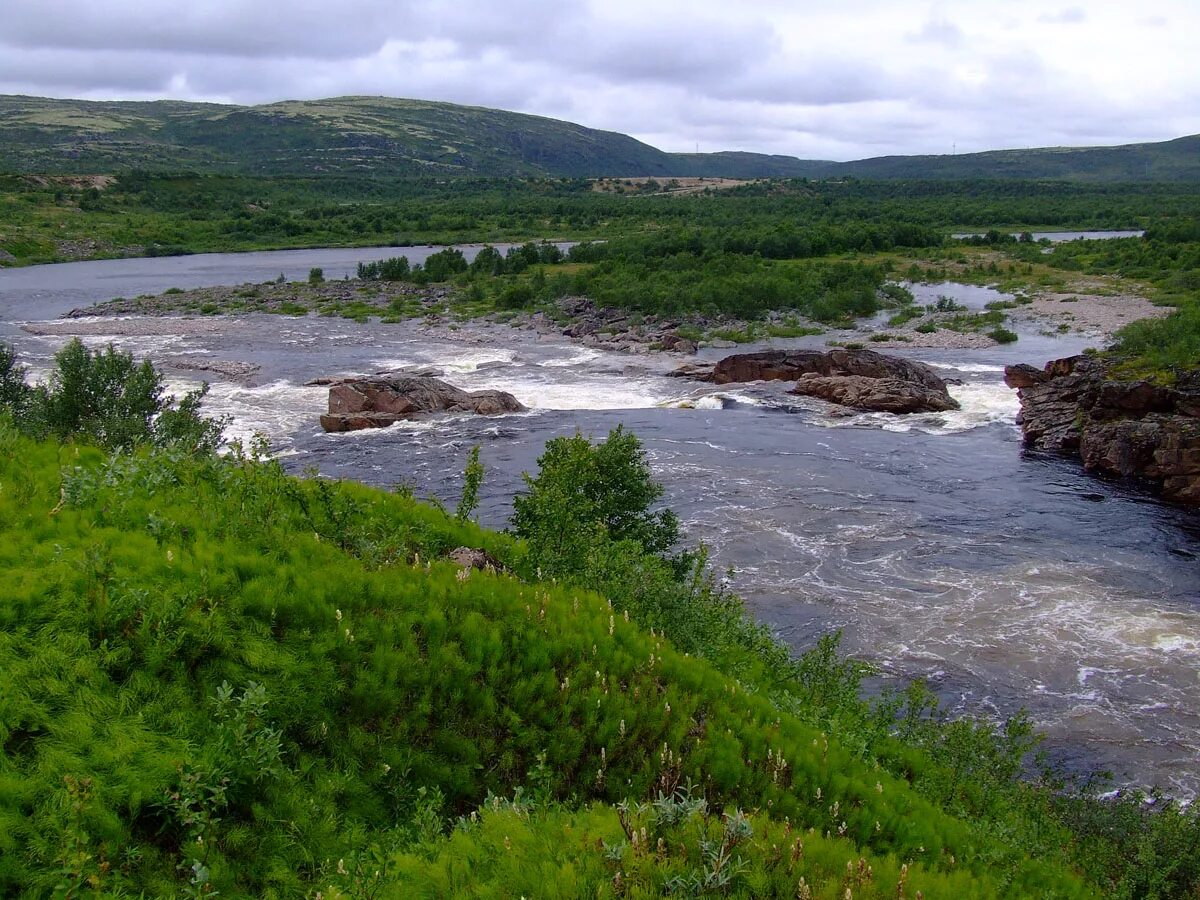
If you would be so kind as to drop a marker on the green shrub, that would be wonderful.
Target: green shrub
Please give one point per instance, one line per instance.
(1002, 335)
(105, 397)
(584, 493)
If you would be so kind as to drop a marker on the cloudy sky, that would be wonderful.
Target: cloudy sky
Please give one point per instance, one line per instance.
(837, 80)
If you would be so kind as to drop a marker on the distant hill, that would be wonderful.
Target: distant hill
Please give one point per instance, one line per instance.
(388, 136)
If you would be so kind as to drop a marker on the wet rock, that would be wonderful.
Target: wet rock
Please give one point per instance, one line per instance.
(226, 368)
(695, 371)
(787, 365)
(771, 365)
(1023, 375)
(378, 401)
(890, 395)
(675, 344)
(1117, 427)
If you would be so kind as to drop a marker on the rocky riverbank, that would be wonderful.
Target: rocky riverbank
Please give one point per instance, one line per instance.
(620, 330)
(1081, 406)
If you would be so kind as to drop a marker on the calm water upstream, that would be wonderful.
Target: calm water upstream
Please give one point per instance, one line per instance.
(939, 547)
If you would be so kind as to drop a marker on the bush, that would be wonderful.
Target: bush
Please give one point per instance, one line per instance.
(14, 392)
(1002, 335)
(584, 493)
(316, 275)
(104, 397)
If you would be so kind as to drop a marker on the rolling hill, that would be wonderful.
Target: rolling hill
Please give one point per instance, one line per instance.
(397, 137)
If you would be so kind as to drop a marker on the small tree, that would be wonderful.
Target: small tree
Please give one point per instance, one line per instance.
(14, 392)
(316, 275)
(106, 397)
(585, 495)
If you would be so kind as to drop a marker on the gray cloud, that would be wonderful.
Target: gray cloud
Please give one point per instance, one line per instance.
(831, 80)
(939, 31)
(1072, 16)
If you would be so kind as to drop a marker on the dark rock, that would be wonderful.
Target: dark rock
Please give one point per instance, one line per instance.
(870, 364)
(891, 395)
(470, 558)
(1023, 375)
(770, 365)
(861, 379)
(788, 365)
(377, 401)
(1120, 428)
(695, 371)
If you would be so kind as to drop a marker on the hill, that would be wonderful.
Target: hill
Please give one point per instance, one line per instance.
(394, 137)
(1177, 160)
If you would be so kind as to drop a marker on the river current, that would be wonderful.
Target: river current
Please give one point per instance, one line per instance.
(939, 546)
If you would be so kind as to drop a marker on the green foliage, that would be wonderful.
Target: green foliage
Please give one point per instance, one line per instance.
(472, 481)
(14, 391)
(587, 493)
(1158, 346)
(395, 268)
(1002, 335)
(316, 275)
(221, 679)
(105, 397)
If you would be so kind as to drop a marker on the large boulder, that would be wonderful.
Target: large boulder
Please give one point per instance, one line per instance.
(789, 365)
(861, 379)
(1117, 427)
(891, 395)
(381, 400)
(770, 365)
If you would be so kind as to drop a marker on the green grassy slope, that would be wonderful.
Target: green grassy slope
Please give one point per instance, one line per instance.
(393, 137)
(214, 677)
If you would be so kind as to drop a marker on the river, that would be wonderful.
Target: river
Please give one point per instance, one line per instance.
(939, 546)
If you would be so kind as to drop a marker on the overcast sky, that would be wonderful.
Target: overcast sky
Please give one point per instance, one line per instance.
(836, 80)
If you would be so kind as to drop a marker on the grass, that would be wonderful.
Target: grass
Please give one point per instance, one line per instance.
(374, 693)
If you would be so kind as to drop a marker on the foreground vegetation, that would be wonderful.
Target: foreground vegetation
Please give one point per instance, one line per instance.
(221, 680)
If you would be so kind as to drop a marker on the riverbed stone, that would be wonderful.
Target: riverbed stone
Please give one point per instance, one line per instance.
(380, 400)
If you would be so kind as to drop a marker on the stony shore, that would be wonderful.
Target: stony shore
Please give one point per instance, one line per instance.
(577, 319)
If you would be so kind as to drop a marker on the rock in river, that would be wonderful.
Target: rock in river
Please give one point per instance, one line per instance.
(381, 400)
(876, 394)
(862, 379)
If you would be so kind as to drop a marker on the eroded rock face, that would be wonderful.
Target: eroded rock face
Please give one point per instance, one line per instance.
(1126, 429)
(876, 394)
(378, 401)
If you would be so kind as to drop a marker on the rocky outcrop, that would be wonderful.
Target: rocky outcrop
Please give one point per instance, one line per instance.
(876, 394)
(381, 400)
(771, 365)
(1118, 427)
(789, 365)
(861, 379)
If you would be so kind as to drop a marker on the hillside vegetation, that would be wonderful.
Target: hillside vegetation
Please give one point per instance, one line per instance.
(218, 680)
(393, 137)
